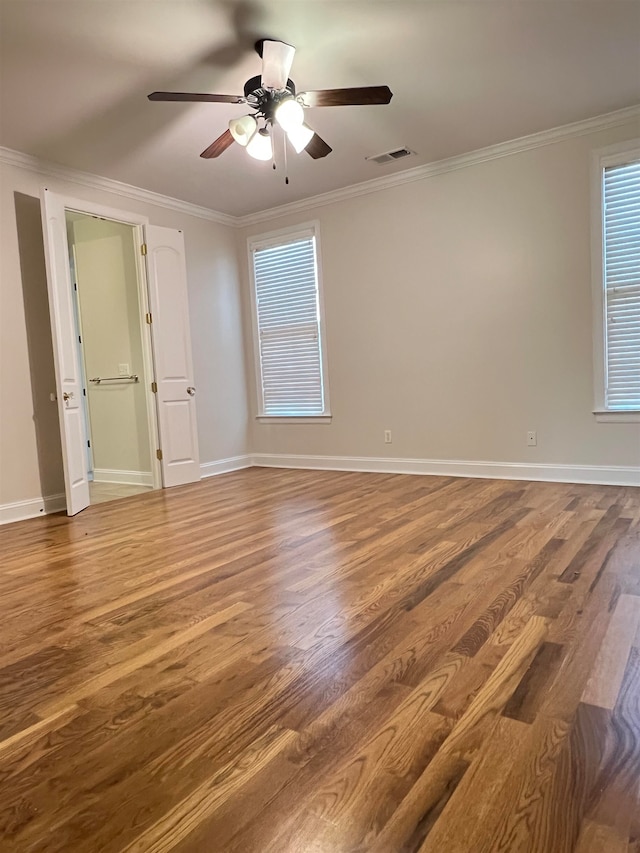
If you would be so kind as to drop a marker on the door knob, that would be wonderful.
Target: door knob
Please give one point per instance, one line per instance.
(191, 390)
(67, 396)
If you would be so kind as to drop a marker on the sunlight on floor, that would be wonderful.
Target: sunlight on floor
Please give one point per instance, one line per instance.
(102, 492)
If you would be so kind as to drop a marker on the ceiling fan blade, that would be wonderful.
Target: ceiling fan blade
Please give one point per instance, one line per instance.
(317, 147)
(194, 96)
(218, 146)
(347, 97)
(276, 64)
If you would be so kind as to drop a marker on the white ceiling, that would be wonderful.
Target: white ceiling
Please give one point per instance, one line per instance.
(74, 76)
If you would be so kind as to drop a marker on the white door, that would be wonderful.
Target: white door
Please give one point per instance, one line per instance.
(65, 352)
(172, 355)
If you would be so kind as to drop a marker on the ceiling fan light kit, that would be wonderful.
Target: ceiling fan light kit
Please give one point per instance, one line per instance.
(277, 59)
(289, 114)
(242, 129)
(273, 99)
(300, 137)
(259, 146)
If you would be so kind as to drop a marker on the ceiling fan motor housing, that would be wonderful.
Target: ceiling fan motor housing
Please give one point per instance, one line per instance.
(265, 100)
(272, 97)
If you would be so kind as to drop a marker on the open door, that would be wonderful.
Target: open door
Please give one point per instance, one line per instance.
(65, 353)
(171, 339)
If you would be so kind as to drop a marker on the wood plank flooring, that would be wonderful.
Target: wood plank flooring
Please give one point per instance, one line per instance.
(102, 492)
(279, 661)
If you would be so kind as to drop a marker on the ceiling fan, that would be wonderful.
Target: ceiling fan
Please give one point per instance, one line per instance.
(273, 99)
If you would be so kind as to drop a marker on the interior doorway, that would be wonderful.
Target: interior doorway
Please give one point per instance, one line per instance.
(163, 315)
(109, 310)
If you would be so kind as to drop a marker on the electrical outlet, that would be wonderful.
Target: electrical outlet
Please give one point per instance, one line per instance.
(532, 438)
(387, 436)
(123, 370)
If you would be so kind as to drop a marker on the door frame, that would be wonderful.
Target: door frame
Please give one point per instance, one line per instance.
(83, 367)
(137, 221)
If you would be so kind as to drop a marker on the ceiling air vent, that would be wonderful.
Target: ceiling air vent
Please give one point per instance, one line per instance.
(390, 156)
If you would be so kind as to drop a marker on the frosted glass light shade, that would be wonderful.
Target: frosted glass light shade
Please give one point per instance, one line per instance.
(276, 64)
(243, 128)
(300, 137)
(289, 114)
(259, 146)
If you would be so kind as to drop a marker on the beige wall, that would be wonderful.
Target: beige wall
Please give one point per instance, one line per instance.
(29, 437)
(458, 313)
(106, 274)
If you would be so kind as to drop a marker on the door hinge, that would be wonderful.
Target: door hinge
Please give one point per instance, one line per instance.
(88, 443)
(158, 454)
(154, 387)
(148, 318)
(143, 249)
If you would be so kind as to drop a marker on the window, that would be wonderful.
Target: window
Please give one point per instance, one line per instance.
(288, 323)
(617, 283)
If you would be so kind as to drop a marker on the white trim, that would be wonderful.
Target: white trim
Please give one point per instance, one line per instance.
(137, 222)
(597, 282)
(223, 466)
(148, 364)
(617, 417)
(614, 475)
(594, 474)
(86, 179)
(438, 167)
(127, 478)
(284, 235)
(103, 211)
(21, 510)
(449, 164)
(275, 238)
(296, 419)
(612, 155)
(620, 153)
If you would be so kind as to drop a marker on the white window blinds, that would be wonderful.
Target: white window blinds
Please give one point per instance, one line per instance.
(288, 325)
(622, 285)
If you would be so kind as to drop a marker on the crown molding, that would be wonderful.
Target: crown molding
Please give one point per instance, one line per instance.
(419, 173)
(86, 179)
(450, 164)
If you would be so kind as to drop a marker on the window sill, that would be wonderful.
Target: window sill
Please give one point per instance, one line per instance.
(294, 419)
(630, 417)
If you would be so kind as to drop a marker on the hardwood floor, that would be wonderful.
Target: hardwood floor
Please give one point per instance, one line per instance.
(281, 661)
(103, 492)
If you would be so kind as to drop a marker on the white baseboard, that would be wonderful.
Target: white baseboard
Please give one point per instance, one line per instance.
(126, 478)
(618, 475)
(20, 510)
(223, 466)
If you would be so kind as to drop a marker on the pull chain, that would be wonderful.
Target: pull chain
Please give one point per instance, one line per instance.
(273, 149)
(286, 167)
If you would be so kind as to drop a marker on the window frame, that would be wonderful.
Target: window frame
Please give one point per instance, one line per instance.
(275, 238)
(612, 155)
